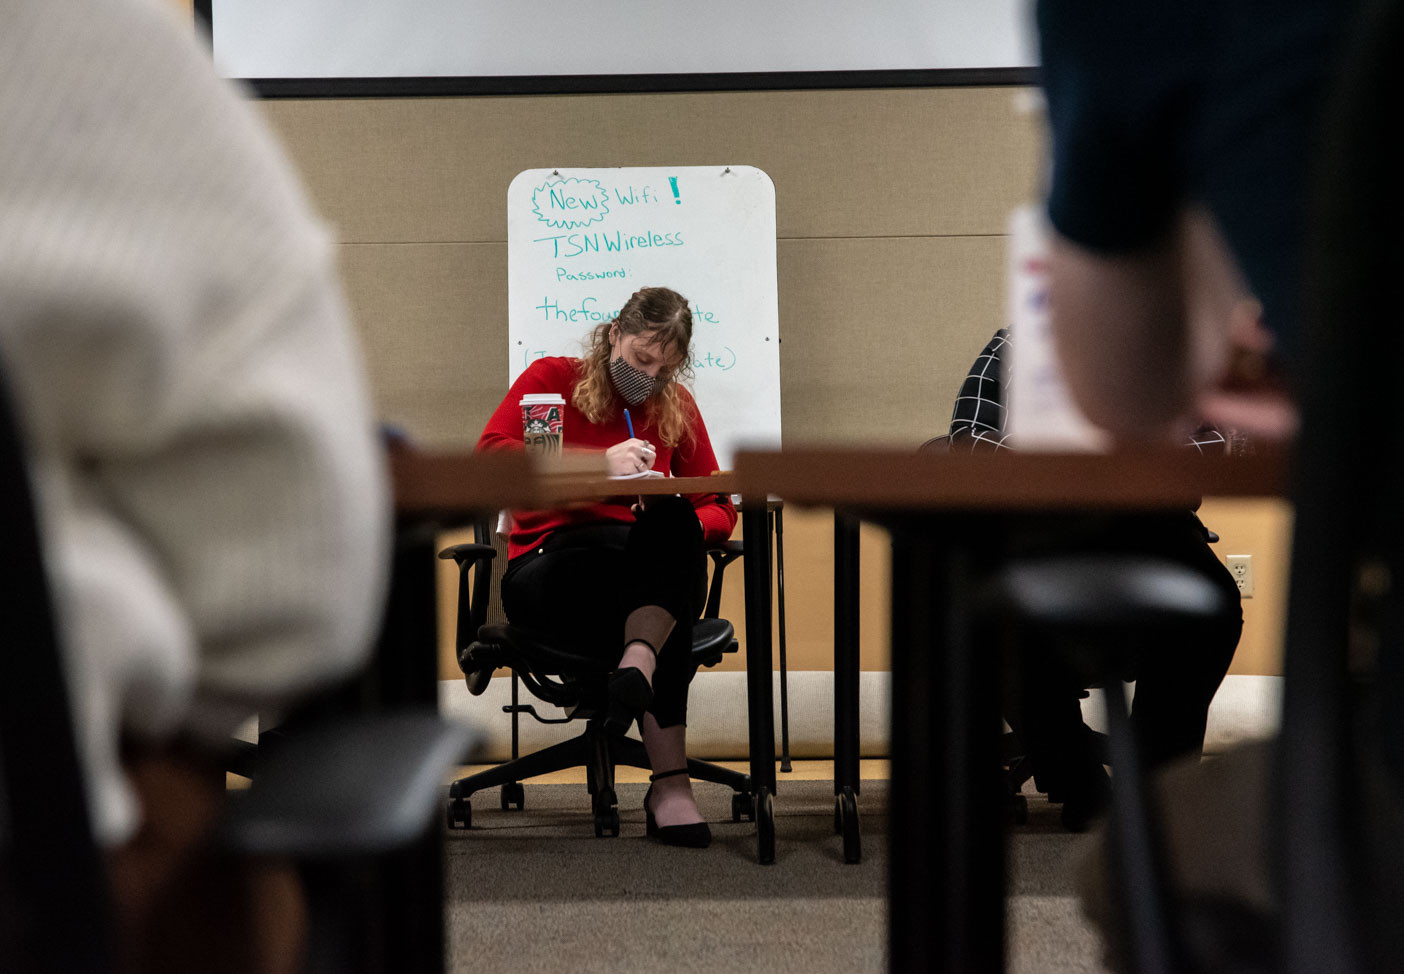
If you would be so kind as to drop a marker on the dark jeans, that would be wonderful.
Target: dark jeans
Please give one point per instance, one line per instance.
(580, 585)
(1176, 674)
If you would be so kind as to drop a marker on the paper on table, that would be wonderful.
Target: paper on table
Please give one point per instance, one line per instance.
(1042, 413)
(638, 476)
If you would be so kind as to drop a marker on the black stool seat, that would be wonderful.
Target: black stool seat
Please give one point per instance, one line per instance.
(1104, 592)
(356, 786)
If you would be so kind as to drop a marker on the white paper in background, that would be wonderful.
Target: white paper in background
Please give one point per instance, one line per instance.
(581, 241)
(1041, 414)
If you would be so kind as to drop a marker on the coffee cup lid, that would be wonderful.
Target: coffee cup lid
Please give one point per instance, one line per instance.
(542, 399)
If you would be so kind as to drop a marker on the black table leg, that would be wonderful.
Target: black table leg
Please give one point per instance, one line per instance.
(759, 693)
(846, 677)
(404, 674)
(946, 874)
(777, 520)
(405, 670)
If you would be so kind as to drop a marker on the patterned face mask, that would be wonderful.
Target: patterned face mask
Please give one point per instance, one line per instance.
(634, 384)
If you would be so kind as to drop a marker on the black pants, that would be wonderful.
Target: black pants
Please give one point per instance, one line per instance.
(582, 583)
(1176, 674)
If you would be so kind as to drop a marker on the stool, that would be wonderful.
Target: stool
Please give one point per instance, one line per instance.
(1105, 597)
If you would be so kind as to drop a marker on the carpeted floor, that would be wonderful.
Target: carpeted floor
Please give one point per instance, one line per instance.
(536, 891)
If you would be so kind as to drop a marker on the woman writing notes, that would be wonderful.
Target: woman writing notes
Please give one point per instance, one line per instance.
(626, 578)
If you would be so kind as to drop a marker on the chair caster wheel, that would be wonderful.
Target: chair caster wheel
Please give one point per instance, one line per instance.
(460, 814)
(607, 824)
(846, 814)
(513, 794)
(765, 827)
(606, 809)
(743, 807)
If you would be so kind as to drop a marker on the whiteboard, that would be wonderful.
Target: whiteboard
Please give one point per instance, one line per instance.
(581, 241)
(255, 39)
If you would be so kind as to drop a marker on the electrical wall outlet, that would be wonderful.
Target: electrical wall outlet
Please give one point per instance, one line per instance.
(1241, 568)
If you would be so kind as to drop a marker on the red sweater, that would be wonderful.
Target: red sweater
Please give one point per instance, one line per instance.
(693, 457)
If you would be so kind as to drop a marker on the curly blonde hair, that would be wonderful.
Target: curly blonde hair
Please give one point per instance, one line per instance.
(664, 315)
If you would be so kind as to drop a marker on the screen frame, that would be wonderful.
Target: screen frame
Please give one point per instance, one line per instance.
(577, 84)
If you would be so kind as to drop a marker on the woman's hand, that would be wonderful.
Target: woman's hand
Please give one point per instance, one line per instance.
(1251, 395)
(629, 457)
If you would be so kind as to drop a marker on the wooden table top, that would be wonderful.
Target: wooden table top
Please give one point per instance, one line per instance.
(561, 488)
(893, 480)
(428, 483)
(465, 483)
(870, 479)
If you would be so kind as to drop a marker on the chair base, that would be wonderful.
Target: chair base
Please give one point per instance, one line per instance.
(599, 753)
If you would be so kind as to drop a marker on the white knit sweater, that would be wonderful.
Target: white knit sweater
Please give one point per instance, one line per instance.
(212, 498)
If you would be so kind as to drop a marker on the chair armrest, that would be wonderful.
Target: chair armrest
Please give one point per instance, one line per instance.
(722, 554)
(467, 554)
(472, 612)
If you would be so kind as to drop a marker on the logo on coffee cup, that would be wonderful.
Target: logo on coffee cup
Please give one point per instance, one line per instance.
(542, 424)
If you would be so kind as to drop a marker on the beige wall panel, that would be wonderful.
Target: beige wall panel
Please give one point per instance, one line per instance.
(845, 163)
(877, 334)
(433, 323)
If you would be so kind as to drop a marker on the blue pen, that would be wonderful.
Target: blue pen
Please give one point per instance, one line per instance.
(630, 423)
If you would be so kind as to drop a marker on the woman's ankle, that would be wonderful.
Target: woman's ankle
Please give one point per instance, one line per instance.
(640, 656)
(672, 802)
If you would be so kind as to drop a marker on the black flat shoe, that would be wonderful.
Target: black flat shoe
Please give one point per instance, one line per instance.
(694, 835)
(629, 697)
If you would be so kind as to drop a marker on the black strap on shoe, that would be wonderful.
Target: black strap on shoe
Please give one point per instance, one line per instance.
(667, 774)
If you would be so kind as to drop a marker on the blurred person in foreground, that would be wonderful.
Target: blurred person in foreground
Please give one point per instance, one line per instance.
(1182, 137)
(1240, 150)
(210, 490)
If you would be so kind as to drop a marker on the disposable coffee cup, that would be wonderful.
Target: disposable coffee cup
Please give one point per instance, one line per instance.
(543, 424)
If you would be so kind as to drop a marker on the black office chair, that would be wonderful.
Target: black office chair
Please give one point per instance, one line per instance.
(352, 801)
(574, 682)
(342, 798)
